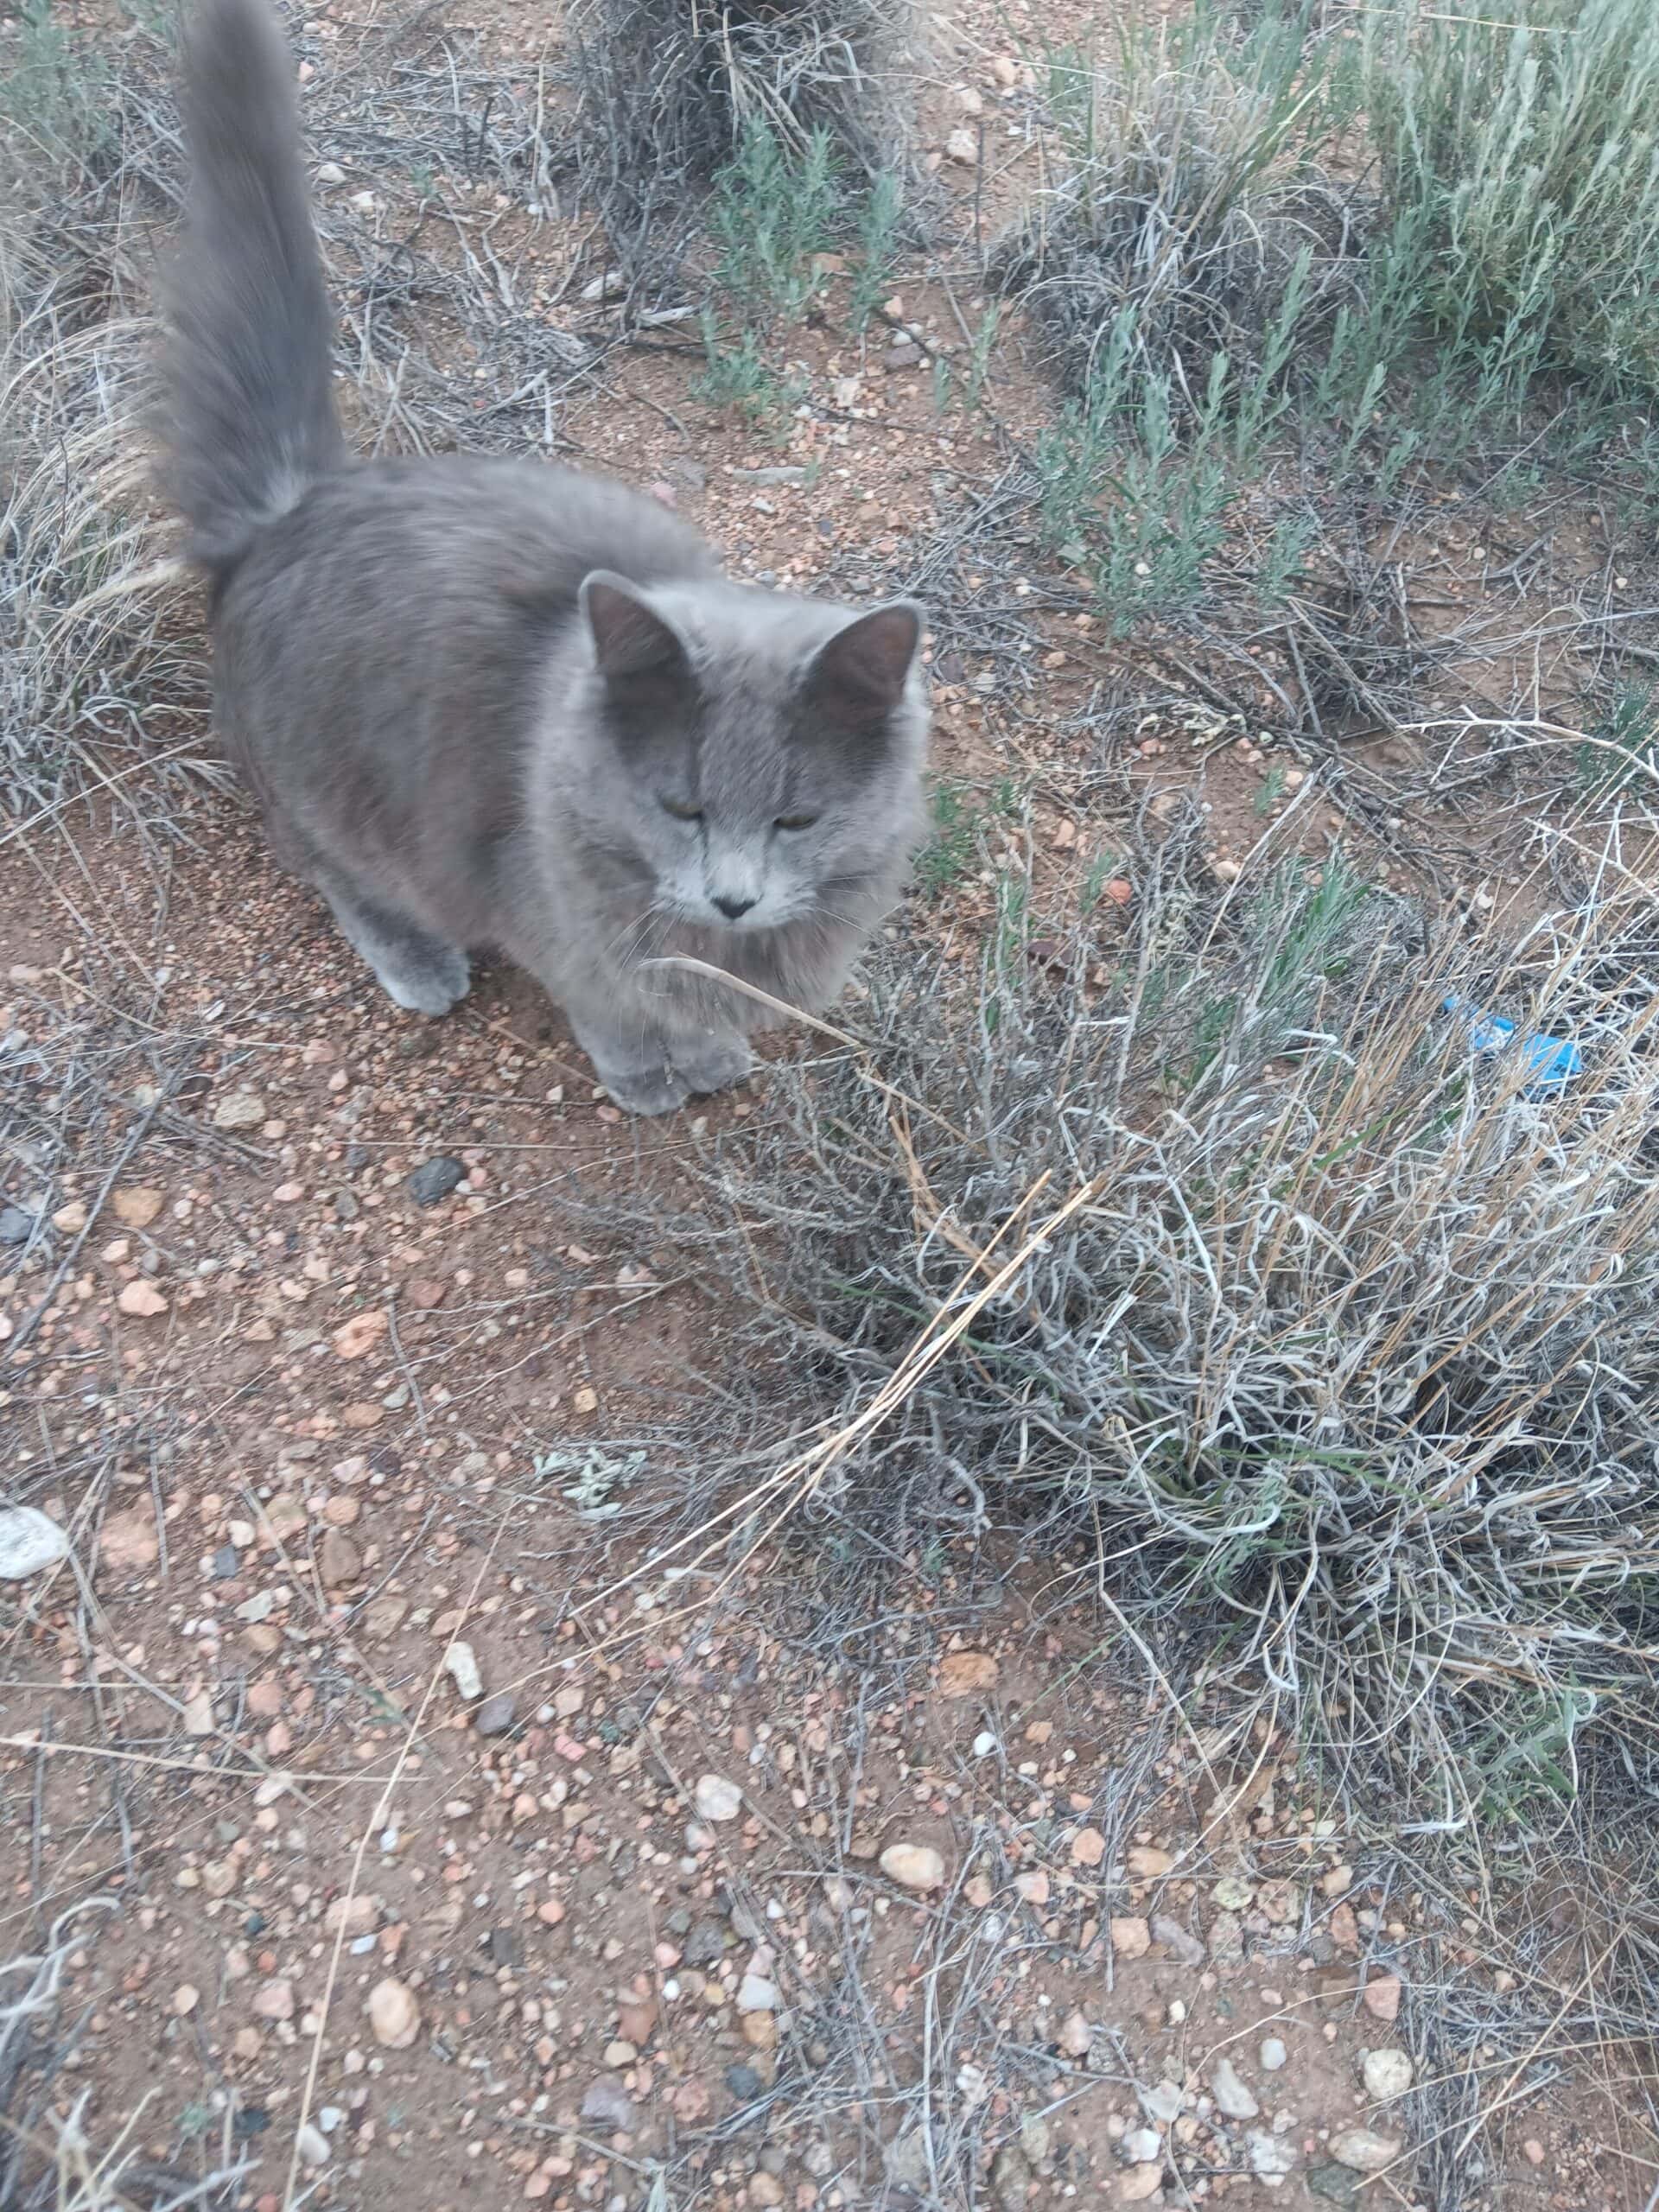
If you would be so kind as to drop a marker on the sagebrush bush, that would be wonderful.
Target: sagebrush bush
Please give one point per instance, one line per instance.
(1230, 1248)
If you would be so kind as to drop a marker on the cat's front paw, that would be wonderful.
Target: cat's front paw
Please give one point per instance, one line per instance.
(659, 1090)
(714, 1064)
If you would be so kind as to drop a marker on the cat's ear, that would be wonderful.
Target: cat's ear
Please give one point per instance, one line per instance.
(629, 638)
(859, 677)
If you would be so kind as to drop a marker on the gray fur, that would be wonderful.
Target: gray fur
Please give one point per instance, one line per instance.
(490, 703)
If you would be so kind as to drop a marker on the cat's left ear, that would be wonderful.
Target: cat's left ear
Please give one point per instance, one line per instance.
(859, 677)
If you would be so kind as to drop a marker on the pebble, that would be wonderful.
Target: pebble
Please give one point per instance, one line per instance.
(331, 172)
(312, 2145)
(1164, 2103)
(1386, 2073)
(1088, 1847)
(1381, 1997)
(1272, 2160)
(963, 146)
(913, 1865)
(274, 2001)
(141, 1299)
(460, 1664)
(1141, 2146)
(242, 1109)
(1076, 2035)
(743, 2082)
(1366, 2150)
(756, 1994)
(716, 1799)
(30, 1541)
(1273, 2055)
(1136, 2183)
(138, 1208)
(394, 2014)
(1185, 1949)
(185, 1998)
(1131, 1938)
(494, 1717)
(1145, 1865)
(901, 355)
(1232, 2097)
(1337, 2184)
(1006, 71)
(1234, 1894)
(430, 1182)
(17, 1227)
(337, 1560)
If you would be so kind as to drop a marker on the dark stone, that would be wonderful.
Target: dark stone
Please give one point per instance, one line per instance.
(505, 1950)
(608, 2105)
(430, 1182)
(226, 1562)
(345, 1207)
(494, 1716)
(744, 2083)
(249, 2119)
(706, 1945)
(678, 1923)
(1337, 2184)
(17, 1227)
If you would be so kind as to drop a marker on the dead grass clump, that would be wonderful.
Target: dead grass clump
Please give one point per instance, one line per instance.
(1244, 1248)
(1186, 205)
(666, 92)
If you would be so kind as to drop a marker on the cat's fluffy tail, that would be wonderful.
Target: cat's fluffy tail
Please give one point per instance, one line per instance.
(249, 417)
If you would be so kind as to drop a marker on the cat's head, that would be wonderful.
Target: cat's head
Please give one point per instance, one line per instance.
(759, 756)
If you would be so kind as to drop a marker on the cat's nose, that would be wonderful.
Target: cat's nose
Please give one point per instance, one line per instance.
(734, 908)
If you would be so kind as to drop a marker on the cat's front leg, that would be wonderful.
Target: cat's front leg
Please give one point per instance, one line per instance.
(712, 1061)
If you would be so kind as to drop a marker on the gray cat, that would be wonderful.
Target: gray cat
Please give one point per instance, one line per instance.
(493, 703)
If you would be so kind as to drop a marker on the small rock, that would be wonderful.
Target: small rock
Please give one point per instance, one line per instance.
(902, 354)
(198, 1714)
(274, 2000)
(1364, 2149)
(1075, 2036)
(1386, 2073)
(756, 1994)
(1141, 2146)
(17, 1227)
(1232, 2098)
(1164, 2103)
(1233, 1893)
(430, 1182)
(716, 1799)
(637, 2019)
(764, 2189)
(743, 2081)
(353, 1915)
(1006, 72)
(138, 1207)
(72, 1218)
(1131, 1938)
(494, 1716)
(1011, 2178)
(337, 1560)
(185, 1998)
(1273, 2055)
(359, 1336)
(1184, 1948)
(1343, 1928)
(30, 1541)
(913, 1865)
(1273, 2159)
(141, 1299)
(460, 1664)
(242, 1109)
(365, 202)
(907, 2161)
(1145, 1865)
(1136, 2183)
(1533, 2151)
(1337, 1882)
(1337, 2184)
(706, 1944)
(967, 1674)
(394, 2014)
(1381, 1997)
(1088, 1847)
(331, 172)
(129, 1540)
(312, 2145)
(970, 101)
(963, 146)
(1227, 1939)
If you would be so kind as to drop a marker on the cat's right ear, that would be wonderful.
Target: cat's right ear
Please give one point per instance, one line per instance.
(629, 638)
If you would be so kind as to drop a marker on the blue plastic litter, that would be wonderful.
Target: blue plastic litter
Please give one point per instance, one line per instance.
(1551, 1062)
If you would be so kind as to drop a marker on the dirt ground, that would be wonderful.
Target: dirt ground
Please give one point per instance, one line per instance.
(421, 1838)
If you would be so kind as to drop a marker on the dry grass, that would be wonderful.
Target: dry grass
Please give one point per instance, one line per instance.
(1220, 1250)
(666, 93)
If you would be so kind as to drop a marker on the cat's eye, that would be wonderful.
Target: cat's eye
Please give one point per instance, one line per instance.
(681, 809)
(795, 821)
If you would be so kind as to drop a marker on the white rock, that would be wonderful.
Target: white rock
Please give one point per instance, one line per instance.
(394, 2014)
(243, 1110)
(611, 286)
(984, 1744)
(1365, 2149)
(1164, 2103)
(1272, 2159)
(1273, 2055)
(460, 1664)
(331, 172)
(913, 1865)
(1141, 2145)
(365, 202)
(756, 1994)
(29, 1541)
(1231, 2096)
(312, 2145)
(963, 146)
(1386, 2074)
(716, 1799)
